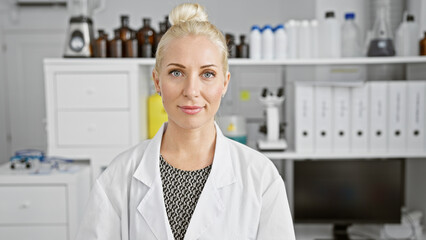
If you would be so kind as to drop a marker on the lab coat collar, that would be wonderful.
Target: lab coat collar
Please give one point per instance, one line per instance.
(209, 204)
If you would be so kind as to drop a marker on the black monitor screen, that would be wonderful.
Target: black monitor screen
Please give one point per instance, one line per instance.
(348, 191)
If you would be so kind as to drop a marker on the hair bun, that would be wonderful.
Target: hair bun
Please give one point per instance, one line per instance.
(187, 12)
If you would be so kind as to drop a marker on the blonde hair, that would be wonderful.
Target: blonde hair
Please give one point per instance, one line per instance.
(191, 19)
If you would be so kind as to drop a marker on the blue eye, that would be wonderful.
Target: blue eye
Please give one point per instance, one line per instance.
(208, 74)
(176, 73)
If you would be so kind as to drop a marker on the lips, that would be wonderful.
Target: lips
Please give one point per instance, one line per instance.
(191, 110)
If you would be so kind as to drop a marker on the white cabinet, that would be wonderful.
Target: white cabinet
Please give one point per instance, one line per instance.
(42, 206)
(95, 108)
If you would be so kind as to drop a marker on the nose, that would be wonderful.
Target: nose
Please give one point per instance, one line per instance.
(192, 86)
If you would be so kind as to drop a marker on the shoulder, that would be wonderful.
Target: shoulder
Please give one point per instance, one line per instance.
(252, 163)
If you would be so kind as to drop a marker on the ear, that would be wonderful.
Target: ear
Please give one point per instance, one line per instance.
(156, 79)
(226, 82)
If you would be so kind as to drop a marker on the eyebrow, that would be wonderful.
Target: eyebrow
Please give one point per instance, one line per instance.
(182, 66)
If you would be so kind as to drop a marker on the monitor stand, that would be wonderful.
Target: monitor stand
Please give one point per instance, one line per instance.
(340, 231)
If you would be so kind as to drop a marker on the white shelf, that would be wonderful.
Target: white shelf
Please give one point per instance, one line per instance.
(249, 62)
(327, 155)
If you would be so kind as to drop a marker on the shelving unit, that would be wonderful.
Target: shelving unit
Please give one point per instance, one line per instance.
(136, 73)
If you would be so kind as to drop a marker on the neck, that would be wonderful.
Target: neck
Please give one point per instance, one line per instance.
(189, 149)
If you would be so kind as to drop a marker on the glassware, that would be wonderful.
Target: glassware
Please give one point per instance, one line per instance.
(146, 30)
(381, 44)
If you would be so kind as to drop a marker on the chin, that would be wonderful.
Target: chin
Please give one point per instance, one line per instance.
(192, 123)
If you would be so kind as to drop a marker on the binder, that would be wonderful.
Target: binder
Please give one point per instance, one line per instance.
(416, 91)
(304, 118)
(323, 118)
(397, 128)
(378, 117)
(341, 119)
(359, 119)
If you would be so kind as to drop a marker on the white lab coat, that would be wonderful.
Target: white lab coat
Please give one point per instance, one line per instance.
(244, 198)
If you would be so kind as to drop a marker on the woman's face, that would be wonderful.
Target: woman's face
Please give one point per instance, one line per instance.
(191, 81)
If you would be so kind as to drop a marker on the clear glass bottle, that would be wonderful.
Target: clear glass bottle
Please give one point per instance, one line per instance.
(351, 39)
(381, 44)
(150, 32)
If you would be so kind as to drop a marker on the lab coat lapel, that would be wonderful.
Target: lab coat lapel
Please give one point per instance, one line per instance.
(210, 204)
(152, 206)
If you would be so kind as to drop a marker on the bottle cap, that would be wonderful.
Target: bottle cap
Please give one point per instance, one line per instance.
(410, 18)
(267, 26)
(279, 26)
(255, 27)
(350, 15)
(329, 14)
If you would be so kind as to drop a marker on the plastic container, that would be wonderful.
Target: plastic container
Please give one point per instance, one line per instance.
(255, 43)
(280, 42)
(351, 38)
(292, 27)
(314, 36)
(267, 43)
(406, 37)
(305, 40)
(330, 37)
(234, 127)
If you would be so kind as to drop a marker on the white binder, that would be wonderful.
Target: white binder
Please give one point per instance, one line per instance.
(304, 118)
(378, 123)
(359, 119)
(397, 112)
(341, 119)
(323, 119)
(416, 91)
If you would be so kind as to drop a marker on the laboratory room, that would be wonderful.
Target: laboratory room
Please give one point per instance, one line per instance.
(245, 119)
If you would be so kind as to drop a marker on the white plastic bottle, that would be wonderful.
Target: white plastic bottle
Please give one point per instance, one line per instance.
(255, 43)
(305, 40)
(351, 39)
(292, 39)
(267, 43)
(280, 42)
(330, 37)
(314, 35)
(406, 40)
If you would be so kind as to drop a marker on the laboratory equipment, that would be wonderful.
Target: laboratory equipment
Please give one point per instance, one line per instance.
(115, 46)
(381, 44)
(255, 43)
(330, 37)
(101, 44)
(280, 42)
(344, 192)
(422, 44)
(243, 48)
(406, 37)
(273, 128)
(80, 36)
(234, 127)
(267, 43)
(146, 31)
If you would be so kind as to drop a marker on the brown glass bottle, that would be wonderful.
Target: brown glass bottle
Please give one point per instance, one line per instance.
(243, 48)
(115, 46)
(150, 32)
(166, 21)
(230, 41)
(101, 44)
(145, 50)
(163, 29)
(131, 46)
(125, 31)
(423, 46)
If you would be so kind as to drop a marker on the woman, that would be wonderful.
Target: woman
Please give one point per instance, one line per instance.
(189, 181)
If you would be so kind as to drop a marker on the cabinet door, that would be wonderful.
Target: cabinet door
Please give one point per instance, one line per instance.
(25, 53)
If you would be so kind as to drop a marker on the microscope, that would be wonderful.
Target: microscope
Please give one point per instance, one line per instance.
(273, 128)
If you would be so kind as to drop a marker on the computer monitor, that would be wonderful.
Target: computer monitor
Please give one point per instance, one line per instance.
(343, 192)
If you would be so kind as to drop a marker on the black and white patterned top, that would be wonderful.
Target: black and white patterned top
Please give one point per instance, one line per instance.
(181, 190)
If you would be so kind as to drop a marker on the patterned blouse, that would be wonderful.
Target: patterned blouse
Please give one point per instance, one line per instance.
(181, 190)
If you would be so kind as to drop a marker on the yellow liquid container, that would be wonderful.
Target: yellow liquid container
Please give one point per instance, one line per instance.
(156, 114)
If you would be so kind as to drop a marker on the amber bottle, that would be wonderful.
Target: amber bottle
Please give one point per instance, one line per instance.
(163, 29)
(145, 50)
(115, 46)
(101, 44)
(150, 32)
(230, 41)
(125, 32)
(423, 46)
(131, 46)
(242, 48)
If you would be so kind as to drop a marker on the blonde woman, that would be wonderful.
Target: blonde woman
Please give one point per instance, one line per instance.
(189, 181)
